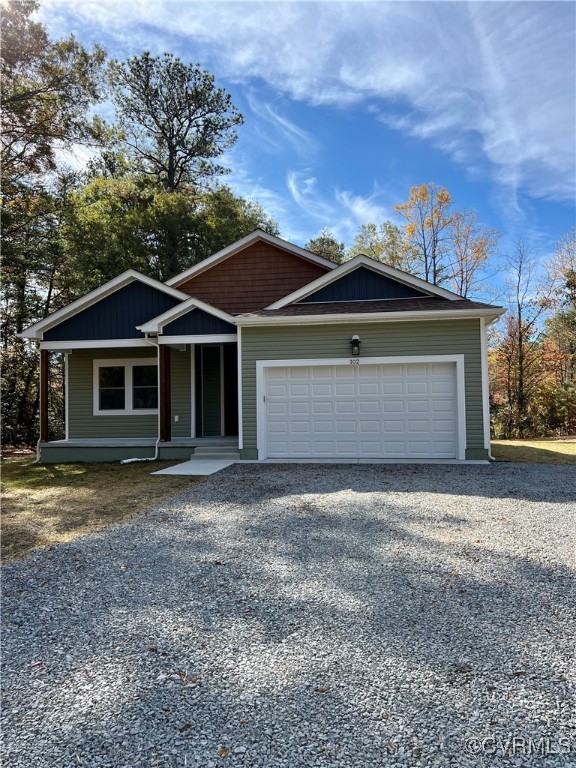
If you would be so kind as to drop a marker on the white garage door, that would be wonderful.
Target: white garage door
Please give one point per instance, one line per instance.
(402, 411)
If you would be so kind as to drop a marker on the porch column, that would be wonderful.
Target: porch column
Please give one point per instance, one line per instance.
(165, 380)
(44, 361)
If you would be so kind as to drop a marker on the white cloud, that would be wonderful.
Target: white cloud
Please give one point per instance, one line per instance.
(276, 130)
(338, 210)
(492, 84)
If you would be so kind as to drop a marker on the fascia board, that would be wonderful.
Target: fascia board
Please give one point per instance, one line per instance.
(157, 323)
(374, 317)
(36, 330)
(375, 266)
(239, 245)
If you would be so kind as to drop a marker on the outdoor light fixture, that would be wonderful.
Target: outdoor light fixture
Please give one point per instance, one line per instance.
(355, 345)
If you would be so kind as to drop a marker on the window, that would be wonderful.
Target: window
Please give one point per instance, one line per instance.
(125, 387)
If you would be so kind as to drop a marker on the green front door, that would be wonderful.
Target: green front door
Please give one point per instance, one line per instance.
(216, 390)
(211, 377)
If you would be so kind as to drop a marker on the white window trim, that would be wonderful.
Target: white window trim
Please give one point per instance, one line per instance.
(262, 365)
(128, 365)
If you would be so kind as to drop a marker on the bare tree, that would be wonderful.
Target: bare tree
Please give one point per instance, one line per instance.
(471, 246)
(518, 353)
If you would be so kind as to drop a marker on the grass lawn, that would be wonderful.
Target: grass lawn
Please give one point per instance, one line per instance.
(44, 504)
(561, 450)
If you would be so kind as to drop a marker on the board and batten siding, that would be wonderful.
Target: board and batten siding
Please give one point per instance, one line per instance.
(83, 424)
(430, 337)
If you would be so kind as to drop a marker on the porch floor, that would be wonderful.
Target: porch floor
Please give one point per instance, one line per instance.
(133, 442)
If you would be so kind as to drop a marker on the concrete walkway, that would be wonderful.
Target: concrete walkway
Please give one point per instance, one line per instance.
(194, 467)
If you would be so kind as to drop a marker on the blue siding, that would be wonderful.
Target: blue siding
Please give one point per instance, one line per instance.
(363, 285)
(116, 316)
(197, 322)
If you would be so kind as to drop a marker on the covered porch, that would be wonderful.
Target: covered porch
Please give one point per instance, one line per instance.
(119, 449)
(164, 399)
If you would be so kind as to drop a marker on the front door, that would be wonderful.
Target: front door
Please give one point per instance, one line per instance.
(216, 390)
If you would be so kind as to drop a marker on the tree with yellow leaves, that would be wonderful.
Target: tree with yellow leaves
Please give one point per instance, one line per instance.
(428, 216)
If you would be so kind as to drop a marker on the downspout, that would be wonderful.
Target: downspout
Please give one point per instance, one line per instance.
(38, 452)
(157, 445)
(485, 376)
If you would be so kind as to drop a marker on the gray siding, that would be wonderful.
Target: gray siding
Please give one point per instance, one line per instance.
(82, 422)
(181, 392)
(434, 337)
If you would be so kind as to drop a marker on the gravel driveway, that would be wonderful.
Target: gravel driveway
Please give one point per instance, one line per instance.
(301, 616)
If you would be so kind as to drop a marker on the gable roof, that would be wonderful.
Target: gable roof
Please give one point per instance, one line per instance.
(37, 330)
(156, 324)
(239, 245)
(376, 266)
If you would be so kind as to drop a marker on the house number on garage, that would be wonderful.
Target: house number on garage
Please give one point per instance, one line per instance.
(354, 361)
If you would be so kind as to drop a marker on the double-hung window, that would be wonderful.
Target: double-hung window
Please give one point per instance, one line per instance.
(125, 387)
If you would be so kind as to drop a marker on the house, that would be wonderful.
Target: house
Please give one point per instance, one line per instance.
(277, 351)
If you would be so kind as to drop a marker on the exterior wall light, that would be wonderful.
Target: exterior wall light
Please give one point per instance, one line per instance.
(355, 345)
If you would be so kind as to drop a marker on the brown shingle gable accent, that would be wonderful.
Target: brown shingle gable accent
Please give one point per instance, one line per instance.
(428, 304)
(252, 278)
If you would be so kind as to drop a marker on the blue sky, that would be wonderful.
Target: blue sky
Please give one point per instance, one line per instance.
(349, 104)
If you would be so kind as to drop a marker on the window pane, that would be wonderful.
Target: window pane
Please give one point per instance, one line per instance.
(112, 399)
(112, 376)
(145, 397)
(145, 376)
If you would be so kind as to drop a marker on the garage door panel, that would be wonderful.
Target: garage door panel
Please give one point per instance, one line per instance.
(369, 426)
(393, 406)
(442, 387)
(277, 390)
(419, 447)
(298, 390)
(370, 447)
(369, 388)
(323, 427)
(322, 407)
(276, 427)
(391, 369)
(418, 426)
(443, 425)
(279, 409)
(346, 447)
(416, 369)
(365, 411)
(417, 406)
(342, 389)
(393, 426)
(322, 390)
(417, 388)
(393, 388)
(442, 406)
(298, 407)
(445, 447)
(345, 406)
(368, 406)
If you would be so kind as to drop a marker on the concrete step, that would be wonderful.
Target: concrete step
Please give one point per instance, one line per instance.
(216, 452)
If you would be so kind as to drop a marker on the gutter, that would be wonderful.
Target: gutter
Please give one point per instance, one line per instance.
(362, 317)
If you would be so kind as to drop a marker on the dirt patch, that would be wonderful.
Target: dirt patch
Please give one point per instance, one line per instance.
(561, 450)
(44, 504)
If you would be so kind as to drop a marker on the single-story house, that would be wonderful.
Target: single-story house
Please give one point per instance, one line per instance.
(273, 350)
